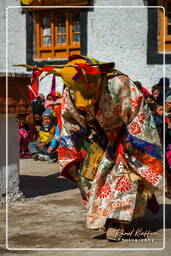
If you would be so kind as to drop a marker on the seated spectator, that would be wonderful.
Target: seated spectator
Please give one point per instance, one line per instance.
(155, 92)
(152, 107)
(151, 103)
(52, 150)
(23, 139)
(150, 99)
(141, 88)
(49, 96)
(168, 105)
(158, 119)
(49, 104)
(37, 119)
(38, 105)
(39, 148)
(168, 145)
(163, 82)
(57, 112)
(42, 97)
(49, 101)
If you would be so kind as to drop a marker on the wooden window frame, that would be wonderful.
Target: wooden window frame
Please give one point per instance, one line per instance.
(64, 50)
(163, 25)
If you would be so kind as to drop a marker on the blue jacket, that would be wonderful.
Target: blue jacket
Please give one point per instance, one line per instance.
(54, 142)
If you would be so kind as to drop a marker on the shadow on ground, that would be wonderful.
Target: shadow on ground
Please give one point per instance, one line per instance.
(33, 186)
(147, 226)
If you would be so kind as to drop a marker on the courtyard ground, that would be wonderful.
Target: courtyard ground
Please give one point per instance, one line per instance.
(50, 220)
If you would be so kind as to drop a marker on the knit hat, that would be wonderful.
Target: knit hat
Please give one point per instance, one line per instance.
(168, 99)
(48, 112)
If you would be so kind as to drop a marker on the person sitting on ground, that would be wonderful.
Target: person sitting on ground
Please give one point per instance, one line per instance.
(38, 105)
(151, 103)
(37, 119)
(52, 150)
(164, 82)
(57, 108)
(155, 92)
(49, 96)
(34, 121)
(168, 144)
(23, 138)
(158, 119)
(49, 101)
(39, 148)
(49, 104)
(141, 88)
(150, 99)
(41, 97)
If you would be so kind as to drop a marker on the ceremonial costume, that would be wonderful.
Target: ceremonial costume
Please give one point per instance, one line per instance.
(109, 144)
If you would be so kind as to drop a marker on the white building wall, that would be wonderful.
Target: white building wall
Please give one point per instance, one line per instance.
(12, 170)
(16, 35)
(16, 42)
(119, 34)
(114, 34)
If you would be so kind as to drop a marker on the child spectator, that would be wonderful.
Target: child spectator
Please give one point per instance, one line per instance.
(49, 104)
(141, 88)
(49, 96)
(57, 112)
(38, 105)
(163, 83)
(49, 101)
(42, 97)
(168, 105)
(151, 103)
(168, 144)
(155, 92)
(37, 119)
(34, 121)
(168, 126)
(23, 139)
(158, 119)
(150, 99)
(52, 150)
(39, 148)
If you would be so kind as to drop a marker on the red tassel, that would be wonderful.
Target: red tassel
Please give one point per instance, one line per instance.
(34, 87)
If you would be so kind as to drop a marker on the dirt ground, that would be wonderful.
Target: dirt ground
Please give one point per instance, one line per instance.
(52, 218)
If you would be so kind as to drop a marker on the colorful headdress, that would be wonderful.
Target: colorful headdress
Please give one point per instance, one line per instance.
(83, 75)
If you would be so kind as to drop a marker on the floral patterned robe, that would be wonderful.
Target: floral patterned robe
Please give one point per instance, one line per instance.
(129, 169)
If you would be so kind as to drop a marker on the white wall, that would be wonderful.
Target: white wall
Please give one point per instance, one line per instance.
(13, 158)
(120, 34)
(16, 38)
(16, 35)
(114, 34)
(46, 83)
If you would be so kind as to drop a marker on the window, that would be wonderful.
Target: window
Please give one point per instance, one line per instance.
(57, 33)
(167, 26)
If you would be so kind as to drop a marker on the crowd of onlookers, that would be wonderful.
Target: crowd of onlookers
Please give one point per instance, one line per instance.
(39, 131)
(159, 100)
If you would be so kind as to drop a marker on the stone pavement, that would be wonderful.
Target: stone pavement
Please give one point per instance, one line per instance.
(51, 221)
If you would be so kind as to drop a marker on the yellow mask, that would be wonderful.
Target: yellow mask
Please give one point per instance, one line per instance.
(86, 85)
